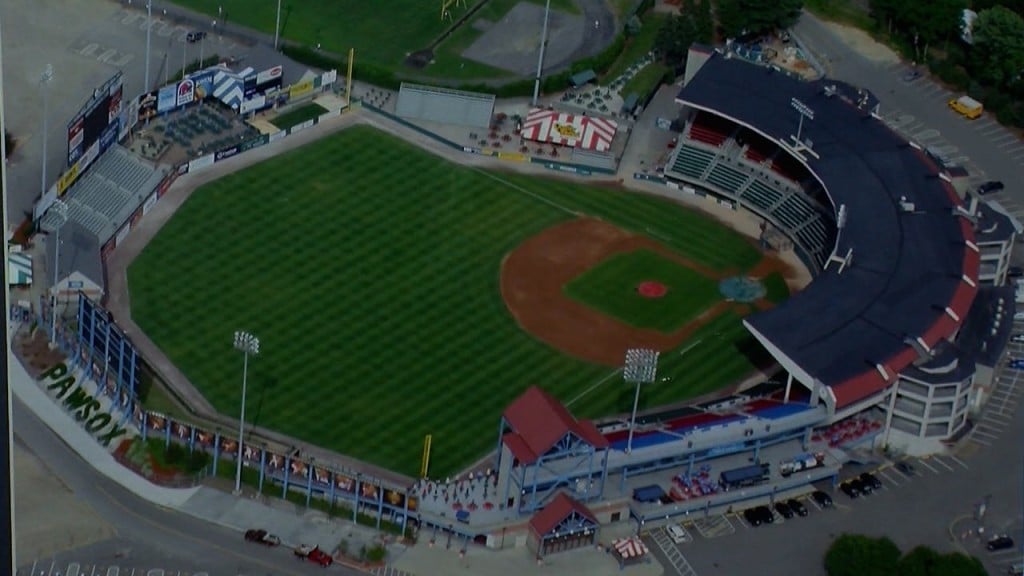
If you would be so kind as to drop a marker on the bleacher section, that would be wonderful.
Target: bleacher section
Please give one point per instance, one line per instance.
(105, 197)
(709, 129)
(804, 218)
(847, 431)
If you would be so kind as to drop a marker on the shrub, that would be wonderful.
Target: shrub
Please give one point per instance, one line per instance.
(175, 453)
(377, 553)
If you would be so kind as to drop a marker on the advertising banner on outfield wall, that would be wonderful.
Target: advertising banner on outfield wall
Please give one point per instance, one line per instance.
(122, 234)
(276, 136)
(300, 89)
(201, 162)
(252, 143)
(150, 202)
(225, 154)
(329, 77)
(300, 127)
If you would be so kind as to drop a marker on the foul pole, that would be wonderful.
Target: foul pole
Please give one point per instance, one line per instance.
(348, 76)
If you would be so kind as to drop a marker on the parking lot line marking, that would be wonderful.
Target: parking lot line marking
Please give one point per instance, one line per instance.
(888, 478)
(979, 441)
(987, 418)
(939, 461)
(958, 461)
(986, 433)
(928, 466)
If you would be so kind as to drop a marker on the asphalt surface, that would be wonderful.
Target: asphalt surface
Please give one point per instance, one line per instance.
(149, 537)
(920, 108)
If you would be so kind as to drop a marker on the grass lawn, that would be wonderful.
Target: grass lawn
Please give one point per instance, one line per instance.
(638, 46)
(298, 115)
(382, 32)
(843, 12)
(369, 269)
(611, 287)
(645, 81)
(776, 289)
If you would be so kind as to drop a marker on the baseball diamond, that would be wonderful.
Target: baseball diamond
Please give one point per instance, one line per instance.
(382, 281)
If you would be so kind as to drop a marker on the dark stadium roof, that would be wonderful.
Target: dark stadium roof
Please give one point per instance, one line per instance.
(913, 272)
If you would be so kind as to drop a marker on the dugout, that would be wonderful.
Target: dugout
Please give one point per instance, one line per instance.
(445, 105)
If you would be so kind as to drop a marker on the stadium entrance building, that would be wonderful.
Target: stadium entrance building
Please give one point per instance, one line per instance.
(562, 525)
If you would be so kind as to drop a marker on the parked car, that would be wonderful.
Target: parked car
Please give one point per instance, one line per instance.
(314, 554)
(752, 517)
(1018, 316)
(823, 499)
(1016, 363)
(766, 514)
(784, 510)
(906, 468)
(262, 537)
(1015, 272)
(871, 480)
(1018, 338)
(849, 489)
(797, 506)
(990, 187)
(676, 533)
(861, 487)
(1001, 542)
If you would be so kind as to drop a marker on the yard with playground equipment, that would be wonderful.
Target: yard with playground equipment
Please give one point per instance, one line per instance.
(396, 294)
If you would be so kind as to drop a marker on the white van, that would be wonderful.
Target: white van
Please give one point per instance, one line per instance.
(676, 533)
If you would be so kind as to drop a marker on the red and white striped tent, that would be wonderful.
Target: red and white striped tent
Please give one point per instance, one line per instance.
(630, 548)
(585, 132)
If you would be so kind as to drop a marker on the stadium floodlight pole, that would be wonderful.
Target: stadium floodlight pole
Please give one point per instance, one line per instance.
(60, 211)
(44, 82)
(277, 27)
(641, 368)
(540, 58)
(247, 344)
(149, 28)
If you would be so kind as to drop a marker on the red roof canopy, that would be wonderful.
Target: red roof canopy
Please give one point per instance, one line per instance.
(539, 421)
(558, 510)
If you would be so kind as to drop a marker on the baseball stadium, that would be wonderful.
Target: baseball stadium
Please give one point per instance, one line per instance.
(437, 333)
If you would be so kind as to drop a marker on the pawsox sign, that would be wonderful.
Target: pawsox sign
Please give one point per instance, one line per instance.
(59, 380)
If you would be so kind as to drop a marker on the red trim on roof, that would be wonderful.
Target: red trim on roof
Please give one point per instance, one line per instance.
(858, 388)
(541, 421)
(952, 193)
(554, 513)
(517, 446)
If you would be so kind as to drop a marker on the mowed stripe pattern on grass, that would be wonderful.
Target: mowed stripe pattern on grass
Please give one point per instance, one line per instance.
(369, 269)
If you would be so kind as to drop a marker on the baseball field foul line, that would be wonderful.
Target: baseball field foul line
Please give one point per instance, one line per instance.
(527, 192)
(592, 387)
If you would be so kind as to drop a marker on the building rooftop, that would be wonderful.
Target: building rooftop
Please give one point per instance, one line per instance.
(913, 270)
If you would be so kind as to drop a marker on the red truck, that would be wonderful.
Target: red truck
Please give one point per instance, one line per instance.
(314, 554)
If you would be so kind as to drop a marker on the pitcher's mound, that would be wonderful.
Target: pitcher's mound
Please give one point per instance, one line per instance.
(651, 289)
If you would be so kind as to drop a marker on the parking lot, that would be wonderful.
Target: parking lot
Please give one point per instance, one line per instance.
(77, 569)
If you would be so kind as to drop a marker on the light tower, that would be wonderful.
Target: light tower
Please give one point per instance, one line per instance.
(447, 5)
(641, 368)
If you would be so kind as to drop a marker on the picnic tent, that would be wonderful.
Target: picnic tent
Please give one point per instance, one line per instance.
(587, 132)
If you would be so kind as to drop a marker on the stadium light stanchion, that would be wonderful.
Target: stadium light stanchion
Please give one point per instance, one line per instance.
(277, 26)
(641, 368)
(247, 344)
(44, 82)
(540, 58)
(60, 210)
(149, 28)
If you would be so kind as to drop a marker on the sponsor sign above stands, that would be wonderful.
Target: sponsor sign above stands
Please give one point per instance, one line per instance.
(263, 81)
(186, 92)
(204, 84)
(329, 77)
(268, 76)
(256, 103)
(166, 99)
(147, 106)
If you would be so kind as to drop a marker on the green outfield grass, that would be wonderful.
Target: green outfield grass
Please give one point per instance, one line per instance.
(369, 269)
(611, 287)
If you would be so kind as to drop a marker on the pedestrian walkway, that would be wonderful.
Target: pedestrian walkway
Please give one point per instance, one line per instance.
(296, 524)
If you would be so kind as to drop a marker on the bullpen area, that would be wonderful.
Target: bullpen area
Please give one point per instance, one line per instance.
(397, 295)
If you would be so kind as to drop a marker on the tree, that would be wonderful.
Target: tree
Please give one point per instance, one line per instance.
(705, 22)
(676, 35)
(998, 52)
(856, 555)
(923, 561)
(741, 17)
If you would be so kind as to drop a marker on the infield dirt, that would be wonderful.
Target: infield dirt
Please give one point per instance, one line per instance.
(534, 274)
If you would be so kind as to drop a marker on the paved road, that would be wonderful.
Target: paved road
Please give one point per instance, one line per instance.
(985, 148)
(149, 537)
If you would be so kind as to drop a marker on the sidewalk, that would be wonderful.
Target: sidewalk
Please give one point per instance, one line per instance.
(295, 524)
